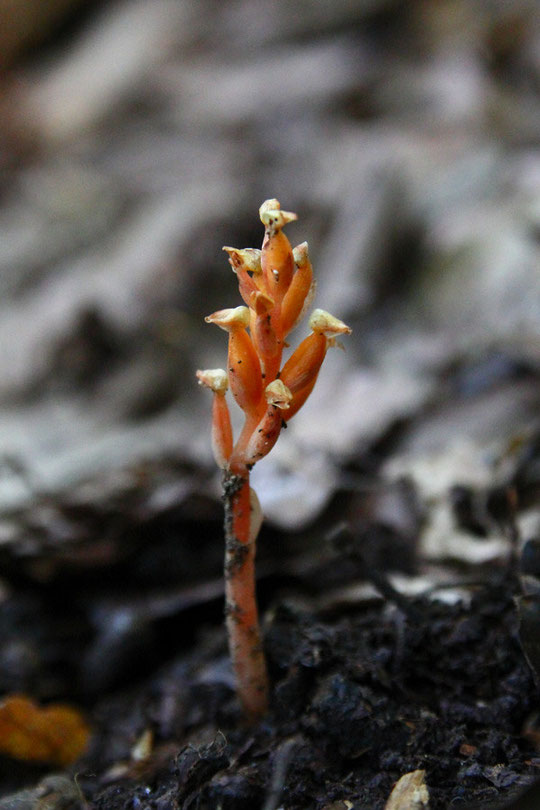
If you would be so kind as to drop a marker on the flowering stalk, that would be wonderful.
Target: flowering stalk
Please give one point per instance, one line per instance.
(276, 284)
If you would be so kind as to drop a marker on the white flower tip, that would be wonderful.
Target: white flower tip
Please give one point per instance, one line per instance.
(269, 205)
(214, 378)
(322, 323)
(278, 394)
(300, 254)
(247, 258)
(228, 319)
(273, 217)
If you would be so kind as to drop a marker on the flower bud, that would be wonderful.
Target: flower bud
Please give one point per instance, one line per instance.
(300, 372)
(247, 266)
(276, 255)
(243, 365)
(301, 290)
(222, 437)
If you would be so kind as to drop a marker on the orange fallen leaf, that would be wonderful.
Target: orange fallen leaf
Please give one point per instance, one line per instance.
(55, 734)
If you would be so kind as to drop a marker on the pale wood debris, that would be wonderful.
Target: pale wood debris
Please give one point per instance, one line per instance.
(409, 793)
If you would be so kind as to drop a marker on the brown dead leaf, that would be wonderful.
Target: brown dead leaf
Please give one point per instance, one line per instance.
(56, 734)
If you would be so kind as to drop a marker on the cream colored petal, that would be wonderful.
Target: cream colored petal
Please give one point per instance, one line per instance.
(322, 323)
(214, 378)
(228, 319)
(248, 258)
(273, 217)
(278, 394)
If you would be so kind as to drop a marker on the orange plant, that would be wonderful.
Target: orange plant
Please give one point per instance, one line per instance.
(276, 284)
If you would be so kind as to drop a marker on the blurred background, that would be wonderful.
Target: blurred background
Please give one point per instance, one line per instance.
(137, 138)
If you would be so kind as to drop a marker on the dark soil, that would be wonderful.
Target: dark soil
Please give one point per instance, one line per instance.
(359, 700)
(365, 689)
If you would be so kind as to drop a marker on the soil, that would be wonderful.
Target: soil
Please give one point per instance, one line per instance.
(365, 688)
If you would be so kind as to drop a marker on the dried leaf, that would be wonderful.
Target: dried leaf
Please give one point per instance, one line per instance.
(56, 734)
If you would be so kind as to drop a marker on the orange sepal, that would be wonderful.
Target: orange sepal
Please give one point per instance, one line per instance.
(262, 330)
(277, 261)
(304, 363)
(277, 264)
(299, 399)
(300, 290)
(244, 370)
(265, 435)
